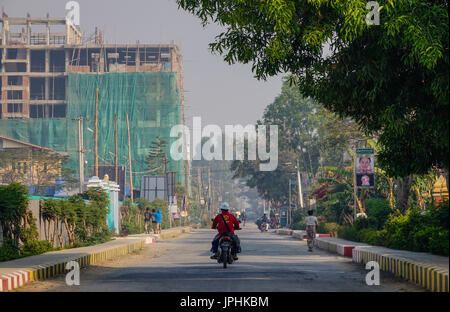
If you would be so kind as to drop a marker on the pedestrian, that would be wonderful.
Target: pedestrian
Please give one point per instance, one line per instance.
(311, 229)
(158, 220)
(244, 217)
(154, 221)
(147, 219)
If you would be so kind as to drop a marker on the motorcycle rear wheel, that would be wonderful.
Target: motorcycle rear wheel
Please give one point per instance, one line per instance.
(224, 260)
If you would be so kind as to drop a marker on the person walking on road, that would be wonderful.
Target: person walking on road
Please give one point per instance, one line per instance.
(157, 217)
(244, 217)
(311, 229)
(147, 219)
(154, 220)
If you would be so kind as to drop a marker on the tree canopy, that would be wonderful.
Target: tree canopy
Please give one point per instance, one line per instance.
(392, 78)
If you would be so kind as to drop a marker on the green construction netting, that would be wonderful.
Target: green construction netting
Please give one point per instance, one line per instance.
(151, 100)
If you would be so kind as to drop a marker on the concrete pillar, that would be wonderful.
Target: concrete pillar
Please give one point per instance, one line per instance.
(47, 60)
(29, 33)
(66, 60)
(48, 33)
(28, 60)
(46, 87)
(3, 57)
(138, 59)
(68, 41)
(4, 32)
(47, 69)
(101, 61)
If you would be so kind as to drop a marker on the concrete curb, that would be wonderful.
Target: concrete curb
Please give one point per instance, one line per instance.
(425, 275)
(20, 277)
(301, 235)
(174, 233)
(336, 245)
(48, 270)
(428, 276)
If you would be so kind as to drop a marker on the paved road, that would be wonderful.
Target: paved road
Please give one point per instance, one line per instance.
(269, 262)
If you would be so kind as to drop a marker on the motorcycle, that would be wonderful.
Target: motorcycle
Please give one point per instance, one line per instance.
(225, 250)
(273, 224)
(263, 226)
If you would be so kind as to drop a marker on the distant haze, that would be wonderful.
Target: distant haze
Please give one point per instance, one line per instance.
(219, 93)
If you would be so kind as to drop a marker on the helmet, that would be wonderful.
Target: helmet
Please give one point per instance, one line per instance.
(224, 206)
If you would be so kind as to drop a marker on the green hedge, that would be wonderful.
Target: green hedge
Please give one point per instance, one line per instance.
(416, 230)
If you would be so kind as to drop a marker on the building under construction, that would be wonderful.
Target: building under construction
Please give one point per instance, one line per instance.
(49, 76)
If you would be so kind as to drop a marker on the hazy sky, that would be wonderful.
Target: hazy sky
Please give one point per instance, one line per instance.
(219, 93)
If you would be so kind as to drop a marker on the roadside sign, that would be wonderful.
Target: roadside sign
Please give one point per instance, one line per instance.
(364, 151)
(364, 168)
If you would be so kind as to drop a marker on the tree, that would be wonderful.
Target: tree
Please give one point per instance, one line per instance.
(13, 211)
(392, 78)
(157, 158)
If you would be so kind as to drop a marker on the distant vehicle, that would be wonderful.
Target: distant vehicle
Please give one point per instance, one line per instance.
(264, 226)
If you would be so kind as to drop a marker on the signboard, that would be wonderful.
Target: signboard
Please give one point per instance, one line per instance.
(173, 208)
(158, 187)
(364, 168)
(283, 217)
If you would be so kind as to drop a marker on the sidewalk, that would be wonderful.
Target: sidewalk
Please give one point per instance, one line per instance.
(424, 269)
(300, 234)
(17, 272)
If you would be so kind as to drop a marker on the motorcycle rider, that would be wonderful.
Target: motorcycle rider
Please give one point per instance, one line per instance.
(264, 220)
(233, 224)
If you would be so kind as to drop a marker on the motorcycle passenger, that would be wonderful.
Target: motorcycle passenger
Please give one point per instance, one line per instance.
(233, 224)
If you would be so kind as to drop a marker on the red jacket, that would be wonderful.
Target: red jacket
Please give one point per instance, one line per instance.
(231, 220)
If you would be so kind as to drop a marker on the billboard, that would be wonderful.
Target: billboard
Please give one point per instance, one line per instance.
(158, 187)
(364, 167)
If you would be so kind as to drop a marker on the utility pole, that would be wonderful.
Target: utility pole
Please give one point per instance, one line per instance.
(355, 190)
(289, 195)
(129, 161)
(209, 191)
(116, 169)
(198, 193)
(300, 191)
(96, 135)
(80, 151)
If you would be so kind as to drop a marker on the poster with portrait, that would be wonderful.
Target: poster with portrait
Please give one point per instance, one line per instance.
(364, 168)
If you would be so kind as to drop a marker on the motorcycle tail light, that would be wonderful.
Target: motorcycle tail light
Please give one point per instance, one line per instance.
(226, 238)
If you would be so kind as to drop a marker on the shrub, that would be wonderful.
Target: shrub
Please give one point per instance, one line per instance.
(13, 206)
(378, 209)
(439, 215)
(296, 215)
(348, 233)
(414, 231)
(9, 250)
(371, 236)
(300, 225)
(328, 228)
(431, 239)
(361, 223)
(36, 247)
